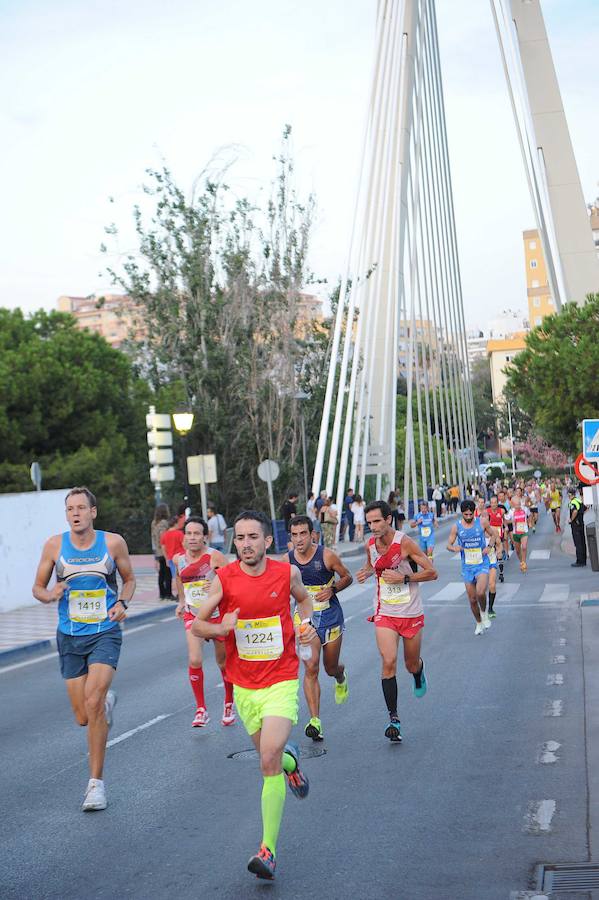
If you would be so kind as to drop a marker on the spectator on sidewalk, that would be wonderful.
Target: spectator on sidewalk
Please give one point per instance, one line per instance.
(576, 509)
(438, 498)
(328, 522)
(289, 509)
(216, 528)
(357, 508)
(347, 518)
(157, 529)
(454, 497)
(171, 541)
(392, 502)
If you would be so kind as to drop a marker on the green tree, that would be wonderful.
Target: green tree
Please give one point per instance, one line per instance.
(554, 380)
(70, 401)
(482, 396)
(218, 283)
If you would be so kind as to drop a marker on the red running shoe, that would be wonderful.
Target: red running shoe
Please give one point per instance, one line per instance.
(263, 864)
(228, 714)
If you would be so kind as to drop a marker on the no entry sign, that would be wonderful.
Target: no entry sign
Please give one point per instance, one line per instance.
(587, 471)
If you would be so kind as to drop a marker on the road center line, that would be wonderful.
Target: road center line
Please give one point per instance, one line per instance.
(128, 734)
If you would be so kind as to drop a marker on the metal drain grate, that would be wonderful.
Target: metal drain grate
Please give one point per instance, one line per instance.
(568, 878)
(305, 753)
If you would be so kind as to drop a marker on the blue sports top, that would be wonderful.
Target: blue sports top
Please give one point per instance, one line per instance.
(425, 521)
(472, 540)
(90, 577)
(316, 577)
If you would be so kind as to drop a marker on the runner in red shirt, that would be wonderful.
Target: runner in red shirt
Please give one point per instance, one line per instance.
(495, 514)
(195, 570)
(398, 607)
(253, 596)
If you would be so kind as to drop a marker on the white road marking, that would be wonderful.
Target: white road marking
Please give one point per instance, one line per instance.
(548, 752)
(555, 679)
(505, 592)
(28, 662)
(128, 734)
(553, 708)
(559, 659)
(127, 631)
(539, 815)
(540, 554)
(528, 895)
(555, 593)
(451, 591)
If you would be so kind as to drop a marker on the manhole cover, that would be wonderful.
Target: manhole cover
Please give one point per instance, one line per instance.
(305, 753)
(568, 878)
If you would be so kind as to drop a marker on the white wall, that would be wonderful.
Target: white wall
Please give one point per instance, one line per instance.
(26, 521)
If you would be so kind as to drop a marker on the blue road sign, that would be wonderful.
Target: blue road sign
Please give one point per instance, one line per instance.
(590, 438)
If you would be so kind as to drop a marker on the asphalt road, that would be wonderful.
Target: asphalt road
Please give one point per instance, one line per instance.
(489, 781)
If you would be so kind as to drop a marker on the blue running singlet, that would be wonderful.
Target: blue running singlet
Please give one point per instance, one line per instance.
(91, 587)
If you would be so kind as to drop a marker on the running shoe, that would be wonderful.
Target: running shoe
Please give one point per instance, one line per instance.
(314, 728)
(501, 577)
(492, 614)
(297, 781)
(420, 683)
(479, 628)
(228, 714)
(342, 690)
(109, 705)
(523, 567)
(263, 864)
(201, 718)
(485, 621)
(393, 730)
(95, 796)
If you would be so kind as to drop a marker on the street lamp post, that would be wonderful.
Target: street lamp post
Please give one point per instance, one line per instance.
(301, 395)
(509, 414)
(183, 424)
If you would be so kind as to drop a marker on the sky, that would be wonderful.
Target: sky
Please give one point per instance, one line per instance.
(93, 93)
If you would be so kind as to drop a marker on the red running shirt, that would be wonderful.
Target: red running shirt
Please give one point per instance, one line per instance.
(172, 541)
(261, 650)
(496, 518)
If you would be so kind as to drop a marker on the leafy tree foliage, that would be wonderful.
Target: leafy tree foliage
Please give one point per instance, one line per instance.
(218, 285)
(70, 401)
(554, 380)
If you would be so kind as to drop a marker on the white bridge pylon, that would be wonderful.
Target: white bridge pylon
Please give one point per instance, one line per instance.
(400, 309)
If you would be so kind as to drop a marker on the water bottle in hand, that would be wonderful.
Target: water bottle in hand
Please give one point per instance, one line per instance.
(305, 650)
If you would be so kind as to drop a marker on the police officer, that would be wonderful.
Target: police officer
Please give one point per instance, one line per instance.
(576, 509)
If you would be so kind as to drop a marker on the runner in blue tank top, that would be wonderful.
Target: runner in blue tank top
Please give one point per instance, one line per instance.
(470, 534)
(318, 566)
(89, 636)
(426, 523)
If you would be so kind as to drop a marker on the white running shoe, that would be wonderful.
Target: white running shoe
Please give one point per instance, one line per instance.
(479, 628)
(201, 718)
(109, 705)
(486, 622)
(228, 714)
(95, 796)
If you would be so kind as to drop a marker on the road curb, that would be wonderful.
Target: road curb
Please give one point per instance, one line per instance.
(49, 644)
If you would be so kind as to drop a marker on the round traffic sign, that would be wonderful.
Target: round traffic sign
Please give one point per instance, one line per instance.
(268, 470)
(537, 473)
(586, 471)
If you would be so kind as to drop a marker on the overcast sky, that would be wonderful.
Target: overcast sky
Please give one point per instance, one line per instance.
(92, 93)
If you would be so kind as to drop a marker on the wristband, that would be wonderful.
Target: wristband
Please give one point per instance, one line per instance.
(123, 602)
(406, 579)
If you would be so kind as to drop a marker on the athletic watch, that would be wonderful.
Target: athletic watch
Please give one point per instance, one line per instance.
(406, 579)
(123, 602)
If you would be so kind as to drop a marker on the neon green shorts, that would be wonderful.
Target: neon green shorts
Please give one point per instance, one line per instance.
(280, 699)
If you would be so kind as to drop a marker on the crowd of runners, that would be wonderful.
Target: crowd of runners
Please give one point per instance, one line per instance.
(263, 614)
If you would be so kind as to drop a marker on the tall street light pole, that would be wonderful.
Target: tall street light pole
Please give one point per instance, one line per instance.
(300, 396)
(183, 424)
(509, 414)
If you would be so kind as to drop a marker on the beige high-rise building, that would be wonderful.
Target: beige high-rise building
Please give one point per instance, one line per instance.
(540, 302)
(114, 316)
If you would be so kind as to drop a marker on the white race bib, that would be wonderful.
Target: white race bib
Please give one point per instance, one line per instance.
(318, 605)
(473, 556)
(259, 639)
(520, 528)
(426, 531)
(88, 607)
(492, 555)
(394, 594)
(195, 592)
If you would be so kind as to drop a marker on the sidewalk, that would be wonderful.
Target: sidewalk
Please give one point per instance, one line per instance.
(33, 628)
